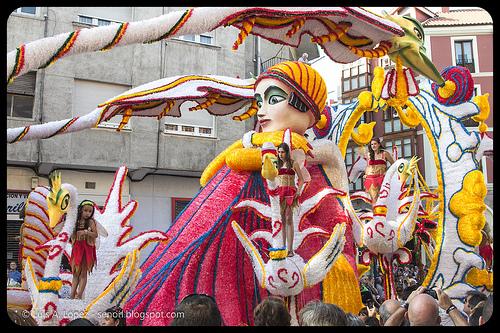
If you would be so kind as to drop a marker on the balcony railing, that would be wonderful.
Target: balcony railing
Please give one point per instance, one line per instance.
(271, 62)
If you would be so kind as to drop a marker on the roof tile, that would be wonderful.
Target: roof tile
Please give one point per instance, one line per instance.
(460, 17)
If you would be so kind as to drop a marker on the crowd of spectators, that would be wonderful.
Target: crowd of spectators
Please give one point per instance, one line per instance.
(422, 307)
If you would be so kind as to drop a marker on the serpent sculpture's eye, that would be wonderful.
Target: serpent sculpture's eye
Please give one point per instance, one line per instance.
(64, 202)
(401, 167)
(418, 33)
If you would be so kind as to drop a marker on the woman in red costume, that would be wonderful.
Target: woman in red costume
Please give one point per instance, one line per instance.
(377, 166)
(83, 255)
(289, 193)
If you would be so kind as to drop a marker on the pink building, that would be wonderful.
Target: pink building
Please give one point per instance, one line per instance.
(461, 37)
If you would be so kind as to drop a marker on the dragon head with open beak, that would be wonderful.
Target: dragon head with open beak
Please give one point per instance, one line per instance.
(410, 48)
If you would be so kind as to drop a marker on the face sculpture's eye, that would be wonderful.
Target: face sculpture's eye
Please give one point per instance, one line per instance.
(401, 167)
(274, 99)
(65, 202)
(258, 99)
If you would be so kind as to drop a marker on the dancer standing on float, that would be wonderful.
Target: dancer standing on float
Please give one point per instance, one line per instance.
(83, 255)
(376, 168)
(289, 193)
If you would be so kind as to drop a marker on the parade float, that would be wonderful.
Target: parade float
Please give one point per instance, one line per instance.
(227, 242)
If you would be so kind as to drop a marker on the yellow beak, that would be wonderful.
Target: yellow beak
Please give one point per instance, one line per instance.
(55, 216)
(405, 175)
(410, 169)
(269, 169)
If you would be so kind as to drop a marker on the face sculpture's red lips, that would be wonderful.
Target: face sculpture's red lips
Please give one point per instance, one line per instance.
(264, 121)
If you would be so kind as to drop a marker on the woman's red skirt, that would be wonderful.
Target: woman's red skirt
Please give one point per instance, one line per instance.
(83, 254)
(287, 193)
(372, 185)
(374, 180)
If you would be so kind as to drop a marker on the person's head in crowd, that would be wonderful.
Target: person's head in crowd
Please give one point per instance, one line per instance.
(13, 266)
(370, 303)
(114, 316)
(387, 309)
(423, 311)
(472, 298)
(272, 311)
(21, 317)
(372, 321)
(399, 292)
(408, 290)
(198, 310)
(363, 313)
(353, 320)
(22, 211)
(405, 284)
(487, 310)
(317, 313)
(80, 322)
(476, 313)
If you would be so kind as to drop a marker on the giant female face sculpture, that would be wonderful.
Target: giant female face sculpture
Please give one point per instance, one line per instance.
(291, 95)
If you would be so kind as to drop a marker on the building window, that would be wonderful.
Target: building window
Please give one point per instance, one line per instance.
(351, 156)
(354, 83)
(188, 130)
(95, 21)
(347, 84)
(392, 123)
(87, 94)
(355, 77)
(26, 10)
(406, 146)
(103, 22)
(85, 19)
(362, 81)
(206, 131)
(202, 39)
(178, 205)
(206, 39)
(198, 123)
(464, 55)
(21, 96)
(20, 106)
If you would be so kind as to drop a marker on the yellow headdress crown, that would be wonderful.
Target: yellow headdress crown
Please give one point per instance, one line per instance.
(55, 184)
(302, 78)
